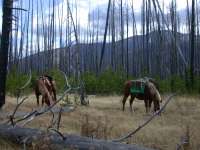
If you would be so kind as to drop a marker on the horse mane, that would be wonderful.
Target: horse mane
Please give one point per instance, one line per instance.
(48, 77)
(154, 90)
(146, 79)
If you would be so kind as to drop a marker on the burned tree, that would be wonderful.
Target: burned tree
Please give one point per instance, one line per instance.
(192, 44)
(6, 28)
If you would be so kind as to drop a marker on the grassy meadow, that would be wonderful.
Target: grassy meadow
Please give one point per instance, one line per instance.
(104, 119)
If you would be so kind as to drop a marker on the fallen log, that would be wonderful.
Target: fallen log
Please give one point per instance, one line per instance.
(38, 139)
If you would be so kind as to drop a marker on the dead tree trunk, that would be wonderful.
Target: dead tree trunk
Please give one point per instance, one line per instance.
(6, 28)
(105, 35)
(192, 45)
(39, 139)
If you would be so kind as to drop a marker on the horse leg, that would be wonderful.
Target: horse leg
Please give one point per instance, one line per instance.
(147, 103)
(54, 94)
(124, 100)
(37, 97)
(43, 99)
(131, 102)
(46, 100)
(53, 97)
(37, 93)
(150, 102)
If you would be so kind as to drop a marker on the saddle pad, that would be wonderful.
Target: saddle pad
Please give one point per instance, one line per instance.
(137, 87)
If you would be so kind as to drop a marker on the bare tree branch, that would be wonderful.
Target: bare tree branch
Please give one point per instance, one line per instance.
(59, 119)
(29, 120)
(52, 120)
(36, 113)
(59, 133)
(15, 8)
(66, 80)
(28, 82)
(26, 116)
(24, 86)
(15, 110)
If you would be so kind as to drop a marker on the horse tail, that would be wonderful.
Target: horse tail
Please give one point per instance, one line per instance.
(127, 86)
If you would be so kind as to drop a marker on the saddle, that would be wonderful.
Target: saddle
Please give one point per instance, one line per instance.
(137, 86)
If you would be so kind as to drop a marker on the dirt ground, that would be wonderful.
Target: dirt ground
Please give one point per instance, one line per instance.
(104, 119)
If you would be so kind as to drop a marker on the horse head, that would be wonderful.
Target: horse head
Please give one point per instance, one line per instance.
(158, 96)
(154, 91)
(155, 95)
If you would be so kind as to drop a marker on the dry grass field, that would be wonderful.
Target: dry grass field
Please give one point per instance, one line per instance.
(104, 119)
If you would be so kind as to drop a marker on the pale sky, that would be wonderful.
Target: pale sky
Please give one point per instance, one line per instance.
(84, 6)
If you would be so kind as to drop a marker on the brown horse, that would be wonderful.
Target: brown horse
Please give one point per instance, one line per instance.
(45, 86)
(150, 94)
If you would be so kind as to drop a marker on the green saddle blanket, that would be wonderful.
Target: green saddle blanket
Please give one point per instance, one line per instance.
(137, 87)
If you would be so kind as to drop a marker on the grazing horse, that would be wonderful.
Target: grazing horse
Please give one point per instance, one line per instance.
(45, 86)
(143, 90)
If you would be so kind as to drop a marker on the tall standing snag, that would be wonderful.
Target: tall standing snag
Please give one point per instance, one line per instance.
(105, 35)
(6, 28)
(192, 45)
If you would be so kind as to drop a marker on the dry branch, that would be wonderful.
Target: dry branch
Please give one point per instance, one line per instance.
(11, 117)
(23, 87)
(15, 110)
(66, 80)
(52, 120)
(22, 9)
(59, 119)
(28, 81)
(36, 113)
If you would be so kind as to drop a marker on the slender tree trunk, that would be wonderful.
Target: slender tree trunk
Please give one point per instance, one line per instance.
(122, 34)
(105, 35)
(134, 67)
(38, 40)
(173, 52)
(31, 46)
(192, 45)
(127, 42)
(142, 64)
(113, 47)
(26, 65)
